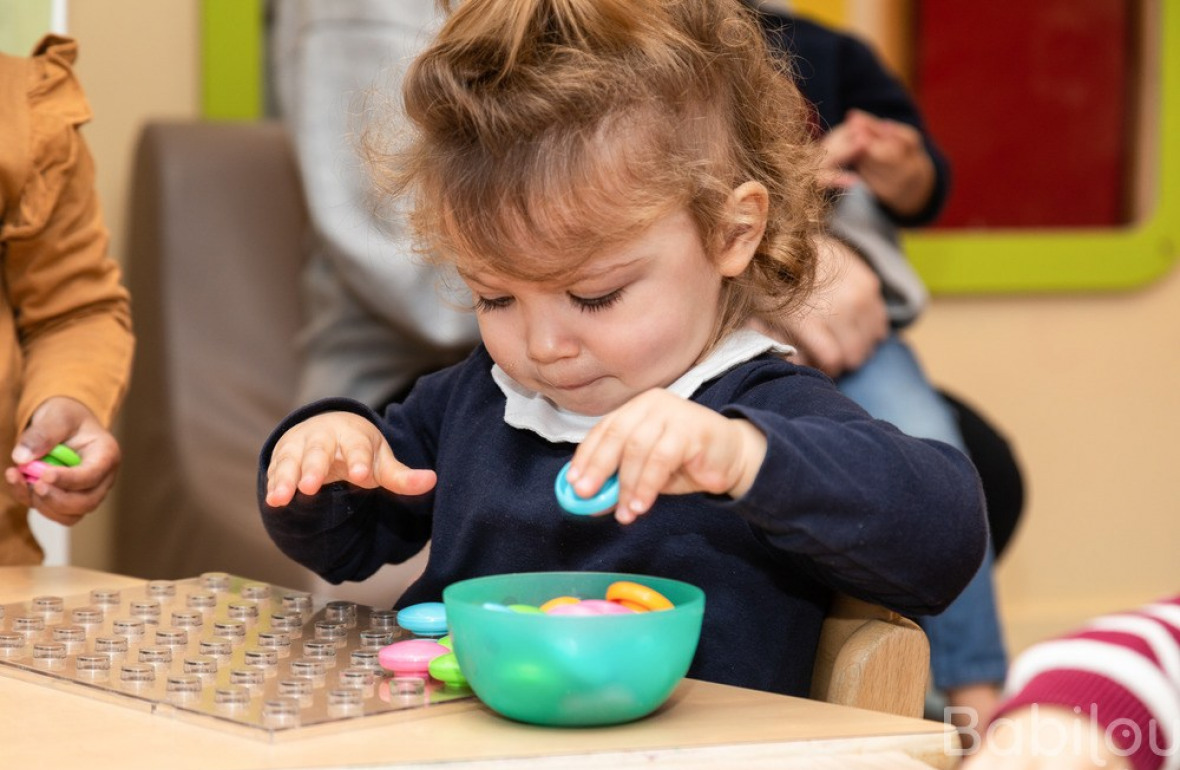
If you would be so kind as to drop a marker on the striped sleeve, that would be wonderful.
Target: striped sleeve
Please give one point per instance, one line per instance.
(1123, 670)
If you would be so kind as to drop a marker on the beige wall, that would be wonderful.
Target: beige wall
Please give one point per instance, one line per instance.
(138, 61)
(1086, 386)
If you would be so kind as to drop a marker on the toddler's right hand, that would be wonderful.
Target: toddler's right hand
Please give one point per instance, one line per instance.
(338, 446)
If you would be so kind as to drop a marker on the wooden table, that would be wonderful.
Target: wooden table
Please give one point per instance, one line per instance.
(703, 725)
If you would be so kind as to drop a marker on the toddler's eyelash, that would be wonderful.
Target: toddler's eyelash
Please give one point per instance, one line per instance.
(484, 304)
(594, 304)
(589, 304)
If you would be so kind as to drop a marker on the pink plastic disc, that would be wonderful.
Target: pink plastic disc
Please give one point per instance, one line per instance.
(410, 657)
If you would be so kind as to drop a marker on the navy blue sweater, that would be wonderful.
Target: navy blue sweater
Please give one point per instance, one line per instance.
(843, 502)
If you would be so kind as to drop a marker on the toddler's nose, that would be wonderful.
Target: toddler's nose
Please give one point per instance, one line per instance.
(548, 340)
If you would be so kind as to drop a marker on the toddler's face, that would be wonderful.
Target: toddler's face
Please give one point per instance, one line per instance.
(634, 317)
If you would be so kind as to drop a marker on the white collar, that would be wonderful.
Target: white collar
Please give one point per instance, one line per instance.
(529, 410)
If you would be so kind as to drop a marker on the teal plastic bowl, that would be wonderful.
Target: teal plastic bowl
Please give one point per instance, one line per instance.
(564, 669)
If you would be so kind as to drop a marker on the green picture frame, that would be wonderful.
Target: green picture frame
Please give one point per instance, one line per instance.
(950, 261)
(233, 63)
(1071, 260)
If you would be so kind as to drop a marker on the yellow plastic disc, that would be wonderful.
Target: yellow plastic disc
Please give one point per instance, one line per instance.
(629, 593)
(558, 601)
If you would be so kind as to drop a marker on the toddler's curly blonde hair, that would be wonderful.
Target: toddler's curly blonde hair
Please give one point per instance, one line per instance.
(543, 131)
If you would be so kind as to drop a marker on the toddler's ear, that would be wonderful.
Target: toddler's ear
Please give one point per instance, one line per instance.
(749, 203)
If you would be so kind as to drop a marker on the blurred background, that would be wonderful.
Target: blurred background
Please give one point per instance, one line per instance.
(1056, 299)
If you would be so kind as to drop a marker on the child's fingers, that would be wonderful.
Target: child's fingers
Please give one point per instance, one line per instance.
(356, 457)
(18, 486)
(83, 478)
(58, 497)
(67, 507)
(638, 441)
(648, 467)
(282, 478)
(644, 453)
(369, 462)
(649, 442)
(286, 467)
(599, 455)
(319, 450)
(335, 446)
(392, 474)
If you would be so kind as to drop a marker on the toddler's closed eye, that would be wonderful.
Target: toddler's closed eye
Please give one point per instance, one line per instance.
(484, 304)
(594, 304)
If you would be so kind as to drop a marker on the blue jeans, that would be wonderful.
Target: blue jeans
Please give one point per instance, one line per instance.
(966, 644)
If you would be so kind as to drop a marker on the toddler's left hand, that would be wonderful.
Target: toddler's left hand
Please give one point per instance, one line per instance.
(661, 443)
(65, 495)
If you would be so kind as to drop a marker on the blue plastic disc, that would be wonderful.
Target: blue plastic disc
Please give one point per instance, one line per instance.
(425, 619)
(604, 500)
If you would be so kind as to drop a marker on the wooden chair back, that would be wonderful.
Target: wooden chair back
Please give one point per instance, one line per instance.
(872, 658)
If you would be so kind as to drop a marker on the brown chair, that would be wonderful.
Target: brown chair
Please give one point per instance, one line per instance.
(218, 231)
(871, 658)
(216, 225)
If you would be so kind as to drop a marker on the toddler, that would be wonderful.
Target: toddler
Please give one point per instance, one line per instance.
(622, 186)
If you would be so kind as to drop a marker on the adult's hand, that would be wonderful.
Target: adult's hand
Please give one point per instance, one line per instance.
(845, 319)
(887, 155)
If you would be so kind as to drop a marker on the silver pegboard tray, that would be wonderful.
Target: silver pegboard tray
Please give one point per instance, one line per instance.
(219, 649)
